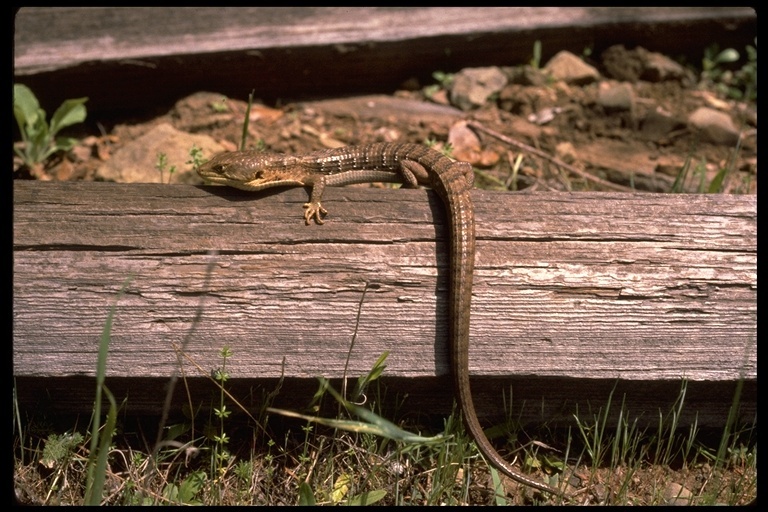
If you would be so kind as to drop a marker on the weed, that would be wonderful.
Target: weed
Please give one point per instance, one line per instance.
(719, 181)
(100, 441)
(536, 59)
(39, 139)
(59, 448)
(221, 455)
(739, 84)
(162, 163)
(444, 81)
(195, 157)
(220, 106)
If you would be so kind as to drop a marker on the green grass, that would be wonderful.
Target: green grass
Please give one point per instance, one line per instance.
(358, 457)
(313, 464)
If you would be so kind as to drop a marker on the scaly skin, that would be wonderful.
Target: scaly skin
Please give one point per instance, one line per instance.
(413, 165)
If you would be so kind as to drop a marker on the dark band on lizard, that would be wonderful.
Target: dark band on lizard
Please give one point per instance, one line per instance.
(413, 165)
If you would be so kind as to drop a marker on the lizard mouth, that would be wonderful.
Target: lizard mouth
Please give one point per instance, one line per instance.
(212, 179)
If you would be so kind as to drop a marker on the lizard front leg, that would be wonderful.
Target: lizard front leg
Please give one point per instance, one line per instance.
(313, 209)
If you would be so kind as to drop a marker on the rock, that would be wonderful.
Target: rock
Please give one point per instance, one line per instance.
(526, 75)
(544, 116)
(524, 100)
(616, 96)
(472, 86)
(658, 124)
(676, 494)
(640, 64)
(566, 152)
(135, 162)
(716, 127)
(465, 142)
(568, 68)
(622, 64)
(658, 67)
(468, 148)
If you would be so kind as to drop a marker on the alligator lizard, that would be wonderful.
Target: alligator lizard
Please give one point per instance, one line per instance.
(413, 165)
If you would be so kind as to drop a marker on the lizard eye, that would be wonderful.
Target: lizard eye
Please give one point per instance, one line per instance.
(222, 170)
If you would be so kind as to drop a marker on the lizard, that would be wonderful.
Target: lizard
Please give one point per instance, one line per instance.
(409, 164)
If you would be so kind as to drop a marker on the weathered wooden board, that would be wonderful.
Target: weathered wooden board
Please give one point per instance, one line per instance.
(134, 58)
(59, 37)
(640, 287)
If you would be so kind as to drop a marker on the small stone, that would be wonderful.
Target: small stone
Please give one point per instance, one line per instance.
(640, 64)
(658, 124)
(715, 126)
(676, 494)
(465, 143)
(526, 75)
(569, 68)
(616, 97)
(473, 86)
(622, 64)
(566, 152)
(658, 67)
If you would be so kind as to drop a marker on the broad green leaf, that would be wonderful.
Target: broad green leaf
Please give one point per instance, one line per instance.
(171, 493)
(367, 498)
(190, 487)
(727, 55)
(306, 497)
(64, 143)
(70, 112)
(25, 106)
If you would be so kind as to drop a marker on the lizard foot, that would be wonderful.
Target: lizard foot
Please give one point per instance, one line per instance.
(314, 210)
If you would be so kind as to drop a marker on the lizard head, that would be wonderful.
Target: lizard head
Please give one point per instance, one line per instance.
(250, 170)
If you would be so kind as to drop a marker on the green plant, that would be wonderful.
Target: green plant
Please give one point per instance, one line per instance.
(96, 467)
(39, 139)
(220, 106)
(748, 74)
(244, 135)
(714, 58)
(59, 448)
(718, 183)
(195, 157)
(740, 84)
(443, 78)
(221, 456)
(536, 59)
(162, 163)
(444, 81)
(186, 492)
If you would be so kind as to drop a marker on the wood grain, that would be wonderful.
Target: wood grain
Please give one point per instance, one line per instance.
(588, 286)
(128, 59)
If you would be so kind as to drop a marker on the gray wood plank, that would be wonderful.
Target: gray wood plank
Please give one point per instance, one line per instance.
(589, 286)
(50, 37)
(130, 60)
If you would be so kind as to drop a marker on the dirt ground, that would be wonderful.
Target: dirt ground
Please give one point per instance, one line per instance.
(635, 121)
